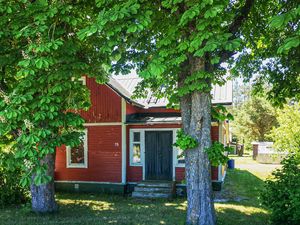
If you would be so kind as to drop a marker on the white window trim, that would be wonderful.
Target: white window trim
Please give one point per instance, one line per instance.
(81, 79)
(68, 152)
(177, 164)
(142, 146)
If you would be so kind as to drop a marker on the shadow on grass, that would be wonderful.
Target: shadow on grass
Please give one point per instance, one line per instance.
(241, 215)
(92, 209)
(242, 189)
(102, 209)
(242, 184)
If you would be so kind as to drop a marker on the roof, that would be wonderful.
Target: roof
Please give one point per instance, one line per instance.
(126, 84)
(152, 118)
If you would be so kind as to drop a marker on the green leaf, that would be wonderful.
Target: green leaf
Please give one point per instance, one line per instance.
(210, 13)
(25, 181)
(215, 60)
(24, 63)
(132, 28)
(277, 21)
(39, 63)
(289, 44)
(91, 31)
(8, 10)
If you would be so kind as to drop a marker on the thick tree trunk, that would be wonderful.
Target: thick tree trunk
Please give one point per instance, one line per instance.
(196, 118)
(43, 196)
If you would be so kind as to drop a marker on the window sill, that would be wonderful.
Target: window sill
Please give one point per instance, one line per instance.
(139, 165)
(180, 165)
(76, 166)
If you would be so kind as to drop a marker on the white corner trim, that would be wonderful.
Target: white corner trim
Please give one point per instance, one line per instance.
(124, 164)
(68, 154)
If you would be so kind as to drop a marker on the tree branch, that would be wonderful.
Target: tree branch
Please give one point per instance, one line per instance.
(241, 17)
(235, 26)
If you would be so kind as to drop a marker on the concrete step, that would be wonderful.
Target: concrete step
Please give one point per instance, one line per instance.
(153, 189)
(167, 184)
(151, 195)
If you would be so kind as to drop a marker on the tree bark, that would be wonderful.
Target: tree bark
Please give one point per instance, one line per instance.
(196, 117)
(43, 196)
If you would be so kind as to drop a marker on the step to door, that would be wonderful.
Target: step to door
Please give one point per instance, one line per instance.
(151, 195)
(154, 189)
(167, 184)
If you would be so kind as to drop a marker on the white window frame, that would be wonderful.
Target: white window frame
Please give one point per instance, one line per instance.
(142, 146)
(177, 164)
(85, 146)
(81, 79)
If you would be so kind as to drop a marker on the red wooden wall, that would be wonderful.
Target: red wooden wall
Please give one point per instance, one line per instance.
(106, 104)
(104, 157)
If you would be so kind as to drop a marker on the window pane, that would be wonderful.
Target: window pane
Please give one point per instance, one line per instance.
(180, 157)
(136, 153)
(136, 136)
(77, 154)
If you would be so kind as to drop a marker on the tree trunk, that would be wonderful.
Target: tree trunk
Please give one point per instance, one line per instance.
(43, 196)
(196, 119)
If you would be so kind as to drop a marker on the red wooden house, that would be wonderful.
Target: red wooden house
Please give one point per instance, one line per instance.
(127, 141)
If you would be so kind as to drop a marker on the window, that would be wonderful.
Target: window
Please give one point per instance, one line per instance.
(180, 157)
(82, 80)
(77, 156)
(135, 148)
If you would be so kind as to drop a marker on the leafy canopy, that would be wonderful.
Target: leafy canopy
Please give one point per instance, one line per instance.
(272, 49)
(254, 120)
(287, 135)
(158, 38)
(41, 62)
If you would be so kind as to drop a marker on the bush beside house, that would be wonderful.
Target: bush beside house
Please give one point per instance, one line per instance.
(11, 192)
(282, 192)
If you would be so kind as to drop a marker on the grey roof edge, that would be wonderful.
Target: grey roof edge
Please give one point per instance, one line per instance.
(123, 92)
(118, 88)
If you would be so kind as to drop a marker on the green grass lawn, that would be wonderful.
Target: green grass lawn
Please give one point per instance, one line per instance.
(244, 183)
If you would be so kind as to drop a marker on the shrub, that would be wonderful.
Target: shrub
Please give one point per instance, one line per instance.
(282, 192)
(11, 191)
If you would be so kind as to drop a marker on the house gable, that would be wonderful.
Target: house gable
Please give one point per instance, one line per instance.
(105, 104)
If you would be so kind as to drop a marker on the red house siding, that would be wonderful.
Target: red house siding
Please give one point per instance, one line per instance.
(104, 157)
(106, 104)
(215, 133)
(180, 174)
